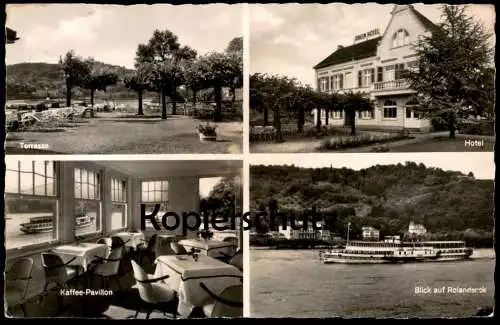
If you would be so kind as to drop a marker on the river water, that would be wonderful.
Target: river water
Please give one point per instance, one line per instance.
(295, 283)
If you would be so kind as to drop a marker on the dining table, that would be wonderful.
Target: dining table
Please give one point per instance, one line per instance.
(187, 272)
(210, 247)
(132, 239)
(82, 254)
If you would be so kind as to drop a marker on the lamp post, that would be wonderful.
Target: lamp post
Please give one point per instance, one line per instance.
(348, 228)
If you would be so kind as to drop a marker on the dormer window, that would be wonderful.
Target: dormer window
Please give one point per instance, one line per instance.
(400, 38)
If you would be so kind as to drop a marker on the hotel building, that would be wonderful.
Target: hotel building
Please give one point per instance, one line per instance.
(374, 65)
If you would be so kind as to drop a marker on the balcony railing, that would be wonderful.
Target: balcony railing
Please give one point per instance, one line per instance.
(391, 85)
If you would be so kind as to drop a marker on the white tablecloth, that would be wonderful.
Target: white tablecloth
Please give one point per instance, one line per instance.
(210, 247)
(186, 274)
(132, 239)
(83, 253)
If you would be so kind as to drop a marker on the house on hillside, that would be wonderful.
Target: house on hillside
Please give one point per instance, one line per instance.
(373, 64)
(416, 229)
(370, 233)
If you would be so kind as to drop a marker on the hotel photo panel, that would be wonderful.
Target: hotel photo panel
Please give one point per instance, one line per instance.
(371, 78)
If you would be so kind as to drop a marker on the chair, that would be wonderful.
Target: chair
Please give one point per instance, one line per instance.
(163, 247)
(236, 260)
(228, 304)
(155, 295)
(108, 267)
(148, 250)
(17, 280)
(57, 272)
(106, 241)
(178, 249)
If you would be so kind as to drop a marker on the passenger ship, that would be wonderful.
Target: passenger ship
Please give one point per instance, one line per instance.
(395, 251)
(366, 252)
(45, 224)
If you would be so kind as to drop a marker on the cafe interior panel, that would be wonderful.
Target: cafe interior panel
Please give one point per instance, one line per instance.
(76, 245)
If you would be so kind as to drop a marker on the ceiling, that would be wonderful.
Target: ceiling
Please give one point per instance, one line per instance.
(160, 168)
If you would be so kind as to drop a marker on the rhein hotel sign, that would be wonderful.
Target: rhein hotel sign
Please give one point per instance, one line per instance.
(367, 35)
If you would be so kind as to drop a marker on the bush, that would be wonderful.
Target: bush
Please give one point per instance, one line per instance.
(478, 128)
(207, 130)
(360, 140)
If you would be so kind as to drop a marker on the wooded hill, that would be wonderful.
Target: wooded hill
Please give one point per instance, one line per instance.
(448, 203)
(36, 80)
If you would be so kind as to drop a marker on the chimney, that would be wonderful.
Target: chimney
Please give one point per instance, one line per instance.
(340, 47)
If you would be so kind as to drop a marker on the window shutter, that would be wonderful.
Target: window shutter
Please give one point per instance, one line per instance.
(319, 84)
(360, 83)
(373, 75)
(341, 82)
(372, 113)
(380, 73)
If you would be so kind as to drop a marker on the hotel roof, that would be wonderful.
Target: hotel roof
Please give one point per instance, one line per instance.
(367, 48)
(356, 51)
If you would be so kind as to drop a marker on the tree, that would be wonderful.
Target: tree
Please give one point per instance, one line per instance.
(168, 59)
(194, 79)
(449, 76)
(75, 71)
(97, 79)
(235, 47)
(139, 82)
(220, 70)
(351, 103)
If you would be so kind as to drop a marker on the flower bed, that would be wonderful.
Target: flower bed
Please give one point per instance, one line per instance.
(344, 142)
(268, 133)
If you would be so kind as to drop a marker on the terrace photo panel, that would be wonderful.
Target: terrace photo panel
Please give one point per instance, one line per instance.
(123, 239)
(116, 79)
(371, 78)
(387, 236)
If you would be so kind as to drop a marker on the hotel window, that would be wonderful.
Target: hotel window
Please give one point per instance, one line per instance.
(31, 205)
(390, 109)
(336, 114)
(411, 111)
(155, 193)
(380, 74)
(399, 71)
(400, 38)
(119, 199)
(338, 82)
(88, 202)
(366, 114)
(366, 77)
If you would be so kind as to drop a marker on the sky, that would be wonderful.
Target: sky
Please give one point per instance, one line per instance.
(481, 164)
(289, 39)
(111, 33)
(207, 184)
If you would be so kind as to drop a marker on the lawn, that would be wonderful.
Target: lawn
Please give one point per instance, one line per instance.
(425, 142)
(118, 133)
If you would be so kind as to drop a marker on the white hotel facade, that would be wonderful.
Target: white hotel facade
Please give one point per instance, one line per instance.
(373, 64)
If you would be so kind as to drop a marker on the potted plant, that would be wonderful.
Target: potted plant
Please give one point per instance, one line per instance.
(207, 132)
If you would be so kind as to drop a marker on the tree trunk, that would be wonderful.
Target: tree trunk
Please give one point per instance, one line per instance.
(68, 93)
(140, 111)
(218, 104)
(318, 119)
(174, 100)
(452, 125)
(352, 121)
(163, 105)
(326, 116)
(301, 120)
(266, 115)
(233, 95)
(277, 124)
(194, 101)
(92, 91)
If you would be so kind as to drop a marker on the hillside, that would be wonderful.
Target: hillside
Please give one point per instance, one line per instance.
(386, 197)
(36, 80)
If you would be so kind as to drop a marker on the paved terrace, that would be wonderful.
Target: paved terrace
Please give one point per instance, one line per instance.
(124, 133)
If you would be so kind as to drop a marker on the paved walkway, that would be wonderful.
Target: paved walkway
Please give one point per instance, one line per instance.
(419, 139)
